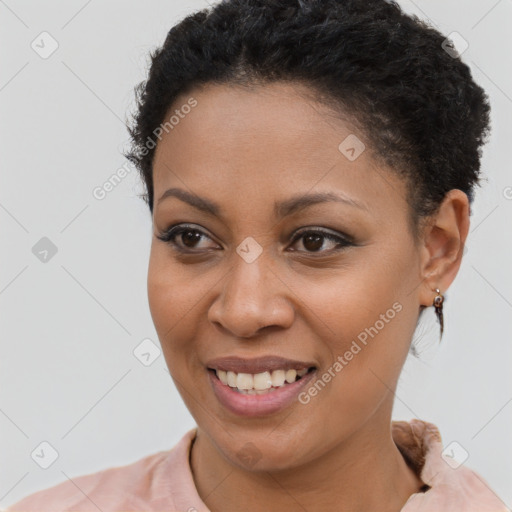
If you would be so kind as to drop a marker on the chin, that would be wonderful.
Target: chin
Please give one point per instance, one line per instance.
(262, 451)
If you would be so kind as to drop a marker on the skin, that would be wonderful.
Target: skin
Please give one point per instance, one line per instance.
(245, 149)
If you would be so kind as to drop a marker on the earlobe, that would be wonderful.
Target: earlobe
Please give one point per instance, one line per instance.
(443, 244)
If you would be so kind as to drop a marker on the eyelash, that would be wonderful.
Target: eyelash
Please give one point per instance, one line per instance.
(173, 232)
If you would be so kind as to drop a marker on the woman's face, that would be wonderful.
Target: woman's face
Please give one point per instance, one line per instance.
(258, 283)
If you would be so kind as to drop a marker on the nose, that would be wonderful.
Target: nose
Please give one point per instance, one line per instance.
(253, 297)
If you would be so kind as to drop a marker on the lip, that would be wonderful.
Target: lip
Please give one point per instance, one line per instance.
(259, 405)
(257, 364)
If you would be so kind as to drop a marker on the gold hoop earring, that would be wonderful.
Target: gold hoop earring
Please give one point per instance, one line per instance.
(438, 305)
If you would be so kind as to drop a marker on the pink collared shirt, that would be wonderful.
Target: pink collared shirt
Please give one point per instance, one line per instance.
(163, 481)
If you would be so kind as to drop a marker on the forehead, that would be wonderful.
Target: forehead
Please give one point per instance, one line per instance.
(266, 143)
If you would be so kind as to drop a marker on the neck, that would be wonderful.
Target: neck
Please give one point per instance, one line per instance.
(365, 472)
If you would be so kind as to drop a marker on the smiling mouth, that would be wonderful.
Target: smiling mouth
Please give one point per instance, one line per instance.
(259, 383)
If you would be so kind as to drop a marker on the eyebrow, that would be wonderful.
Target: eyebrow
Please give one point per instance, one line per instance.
(281, 209)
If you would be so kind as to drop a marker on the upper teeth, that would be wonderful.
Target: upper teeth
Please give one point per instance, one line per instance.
(260, 381)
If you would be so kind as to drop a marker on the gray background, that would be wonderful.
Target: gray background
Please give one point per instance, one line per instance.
(68, 375)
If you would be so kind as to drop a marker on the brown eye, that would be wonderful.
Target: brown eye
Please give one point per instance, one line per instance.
(183, 237)
(190, 237)
(186, 238)
(314, 240)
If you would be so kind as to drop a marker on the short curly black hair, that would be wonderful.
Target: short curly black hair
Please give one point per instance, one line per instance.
(414, 101)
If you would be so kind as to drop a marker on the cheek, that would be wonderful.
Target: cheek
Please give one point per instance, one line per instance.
(354, 303)
(368, 319)
(364, 356)
(173, 292)
(173, 299)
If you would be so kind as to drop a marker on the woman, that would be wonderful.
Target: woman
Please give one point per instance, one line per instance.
(309, 168)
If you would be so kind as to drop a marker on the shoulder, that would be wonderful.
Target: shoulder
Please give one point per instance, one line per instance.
(452, 485)
(112, 487)
(134, 486)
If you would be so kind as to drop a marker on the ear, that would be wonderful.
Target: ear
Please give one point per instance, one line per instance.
(442, 242)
